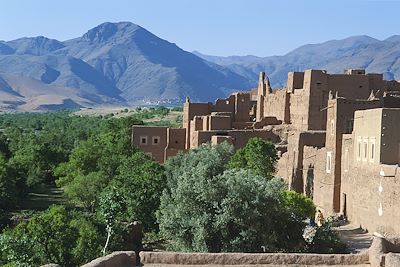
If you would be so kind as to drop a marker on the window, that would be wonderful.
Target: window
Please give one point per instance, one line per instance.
(143, 140)
(328, 162)
(332, 127)
(359, 149)
(346, 160)
(372, 150)
(156, 140)
(365, 155)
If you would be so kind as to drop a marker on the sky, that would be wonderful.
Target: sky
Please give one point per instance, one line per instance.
(214, 27)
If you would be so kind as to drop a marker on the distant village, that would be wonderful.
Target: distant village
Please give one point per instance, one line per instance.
(337, 137)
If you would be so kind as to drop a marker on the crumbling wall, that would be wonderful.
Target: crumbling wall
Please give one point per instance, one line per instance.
(277, 105)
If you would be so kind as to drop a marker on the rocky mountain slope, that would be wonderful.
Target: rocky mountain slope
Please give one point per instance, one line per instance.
(334, 56)
(111, 64)
(119, 64)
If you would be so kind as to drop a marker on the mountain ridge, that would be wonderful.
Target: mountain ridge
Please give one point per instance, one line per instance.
(120, 64)
(361, 51)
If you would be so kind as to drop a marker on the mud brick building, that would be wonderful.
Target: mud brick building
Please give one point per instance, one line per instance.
(337, 135)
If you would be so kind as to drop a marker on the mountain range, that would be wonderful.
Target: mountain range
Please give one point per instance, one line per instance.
(334, 56)
(121, 64)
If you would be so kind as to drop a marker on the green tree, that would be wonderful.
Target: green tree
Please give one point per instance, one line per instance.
(258, 155)
(235, 211)
(84, 189)
(54, 236)
(112, 204)
(299, 205)
(8, 189)
(205, 208)
(140, 180)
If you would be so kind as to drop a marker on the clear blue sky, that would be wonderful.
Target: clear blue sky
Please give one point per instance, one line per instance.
(217, 27)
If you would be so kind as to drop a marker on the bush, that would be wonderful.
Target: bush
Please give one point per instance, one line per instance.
(258, 155)
(323, 239)
(207, 209)
(55, 236)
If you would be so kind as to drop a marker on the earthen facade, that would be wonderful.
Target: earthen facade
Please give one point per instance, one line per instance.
(321, 124)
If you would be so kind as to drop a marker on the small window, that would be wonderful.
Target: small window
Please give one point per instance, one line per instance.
(332, 127)
(227, 102)
(156, 140)
(372, 151)
(359, 149)
(328, 162)
(143, 140)
(346, 160)
(365, 150)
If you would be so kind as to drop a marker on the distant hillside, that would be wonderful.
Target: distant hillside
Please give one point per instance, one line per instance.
(111, 64)
(334, 56)
(119, 64)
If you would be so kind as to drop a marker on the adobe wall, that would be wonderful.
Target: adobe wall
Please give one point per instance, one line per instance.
(390, 136)
(295, 81)
(115, 259)
(189, 111)
(277, 104)
(294, 163)
(219, 122)
(317, 183)
(370, 193)
(151, 147)
(251, 259)
(242, 107)
(299, 101)
(340, 118)
(176, 142)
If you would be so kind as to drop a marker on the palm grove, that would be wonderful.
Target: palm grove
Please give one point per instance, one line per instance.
(211, 199)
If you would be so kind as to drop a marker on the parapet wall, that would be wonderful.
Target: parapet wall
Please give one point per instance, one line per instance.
(115, 259)
(250, 259)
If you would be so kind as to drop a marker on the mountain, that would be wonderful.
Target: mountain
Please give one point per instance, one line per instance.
(111, 64)
(119, 64)
(334, 56)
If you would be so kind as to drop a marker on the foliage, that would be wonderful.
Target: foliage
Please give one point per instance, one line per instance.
(299, 205)
(112, 204)
(258, 155)
(208, 209)
(324, 239)
(7, 186)
(55, 236)
(84, 189)
(140, 180)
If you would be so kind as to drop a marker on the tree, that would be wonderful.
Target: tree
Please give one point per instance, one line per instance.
(54, 236)
(140, 180)
(84, 189)
(8, 189)
(112, 204)
(235, 211)
(258, 155)
(299, 205)
(208, 209)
